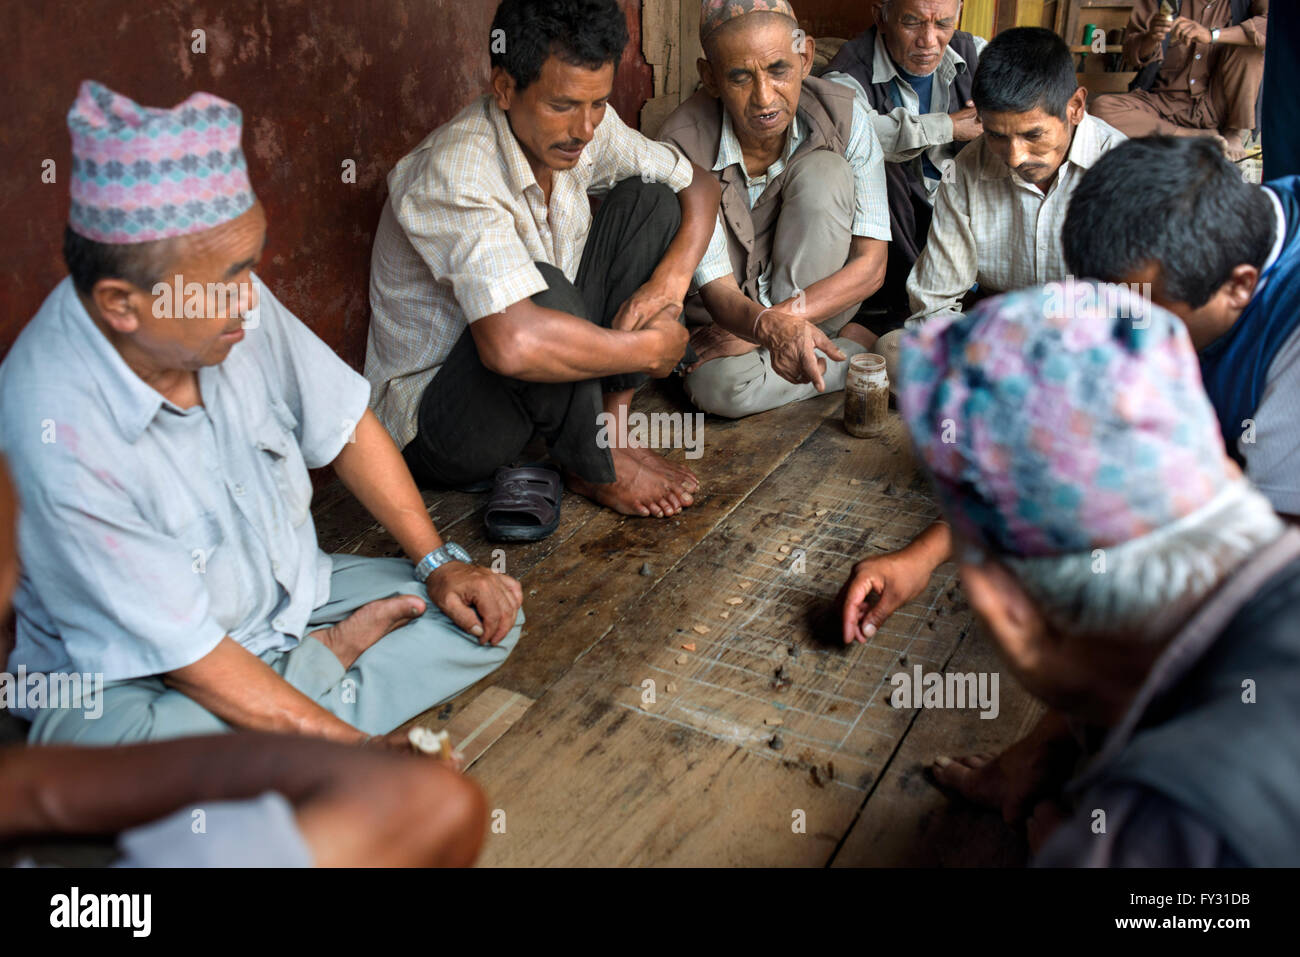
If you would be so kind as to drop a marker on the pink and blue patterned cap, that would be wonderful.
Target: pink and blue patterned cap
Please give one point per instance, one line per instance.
(714, 13)
(140, 174)
(1062, 419)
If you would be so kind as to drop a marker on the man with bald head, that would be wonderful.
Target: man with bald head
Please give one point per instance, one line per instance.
(914, 69)
(804, 229)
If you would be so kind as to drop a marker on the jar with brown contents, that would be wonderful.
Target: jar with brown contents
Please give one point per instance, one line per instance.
(866, 395)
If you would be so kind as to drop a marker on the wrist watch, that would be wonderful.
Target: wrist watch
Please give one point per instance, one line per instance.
(1214, 35)
(447, 552)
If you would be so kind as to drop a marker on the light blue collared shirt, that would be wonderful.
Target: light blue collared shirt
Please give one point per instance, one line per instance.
(149, 532)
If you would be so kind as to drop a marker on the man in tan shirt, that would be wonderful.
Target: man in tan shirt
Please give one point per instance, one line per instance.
(503, 308)
(1202, 63)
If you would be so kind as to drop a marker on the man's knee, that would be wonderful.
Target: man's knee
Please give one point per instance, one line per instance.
(888, 346)
(449, 816)
(1110, 105)
(559, 294)
(726, 386)
(654, 204)
(821, 176)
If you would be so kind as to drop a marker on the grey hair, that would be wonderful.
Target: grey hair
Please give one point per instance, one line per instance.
(886, 4)
(1143, 589)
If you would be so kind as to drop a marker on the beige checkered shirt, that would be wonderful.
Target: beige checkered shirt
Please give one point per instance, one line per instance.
(464, 224)
(992, 227)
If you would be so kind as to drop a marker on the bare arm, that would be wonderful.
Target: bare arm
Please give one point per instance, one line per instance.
(353, 806)
(477, 599)
(244, 691)
(535, 344)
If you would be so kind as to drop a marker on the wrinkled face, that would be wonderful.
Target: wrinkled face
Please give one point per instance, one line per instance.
(756, 66)
(917, 32)
(194, 315)
(556, 116)
(1035, 143)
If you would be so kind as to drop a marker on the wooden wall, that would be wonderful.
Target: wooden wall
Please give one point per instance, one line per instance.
(319, 81)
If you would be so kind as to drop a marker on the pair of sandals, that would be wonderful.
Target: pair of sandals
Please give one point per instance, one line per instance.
(525, 503)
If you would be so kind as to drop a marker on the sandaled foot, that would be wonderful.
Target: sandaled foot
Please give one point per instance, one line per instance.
(365, 626)
(637, 490)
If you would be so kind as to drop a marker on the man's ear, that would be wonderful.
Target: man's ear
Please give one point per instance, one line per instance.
(1077, 106)
(114, 299)
(807, 54)
(707, 78)
(1240, 287)
(997, 598)
(503, 87)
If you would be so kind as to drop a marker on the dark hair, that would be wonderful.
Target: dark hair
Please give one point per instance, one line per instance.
(1173, 201)
(140, 264)
(586, 33)
(1023, 69)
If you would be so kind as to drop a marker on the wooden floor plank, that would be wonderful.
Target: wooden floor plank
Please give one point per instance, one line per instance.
(595, 774)
(908, 820)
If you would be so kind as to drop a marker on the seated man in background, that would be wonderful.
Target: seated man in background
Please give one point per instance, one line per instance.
(802, 239)
(997, 223)
(914, 68)
(167, 542)
(501, 308)
(997, 220)
(1200, 72)
(1174, 216)
(1129, 575)
(267, 800)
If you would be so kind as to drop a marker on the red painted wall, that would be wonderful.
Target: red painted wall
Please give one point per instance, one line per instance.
(834, 18)
(319, 81)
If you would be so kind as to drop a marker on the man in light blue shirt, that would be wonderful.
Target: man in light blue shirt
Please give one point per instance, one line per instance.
(160, 414)
(804, 227)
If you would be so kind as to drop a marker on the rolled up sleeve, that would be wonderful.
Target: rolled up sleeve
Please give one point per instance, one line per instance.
(1139, 25)
(622, 153)
(870, 199)
(716, 262)
(1256, 25)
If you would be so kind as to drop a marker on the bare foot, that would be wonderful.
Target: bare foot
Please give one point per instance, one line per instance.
(1232, 148)
(859, 334)
(638, 489)
(1009, 782)
(681, 481)
(365, 626)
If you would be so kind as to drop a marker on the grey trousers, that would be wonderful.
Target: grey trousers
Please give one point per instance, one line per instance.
(406, 672)
(811, 241)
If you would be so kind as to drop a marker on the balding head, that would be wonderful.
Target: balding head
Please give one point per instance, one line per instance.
(755, 64)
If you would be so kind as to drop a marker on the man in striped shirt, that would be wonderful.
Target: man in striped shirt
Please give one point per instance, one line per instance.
(501, 308)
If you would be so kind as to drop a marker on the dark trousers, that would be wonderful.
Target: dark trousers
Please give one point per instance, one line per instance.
(472, 420)
(909, 222)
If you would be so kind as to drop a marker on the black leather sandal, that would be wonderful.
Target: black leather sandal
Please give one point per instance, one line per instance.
(525, 504)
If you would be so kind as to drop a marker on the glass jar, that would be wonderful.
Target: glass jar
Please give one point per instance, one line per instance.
(866, 395)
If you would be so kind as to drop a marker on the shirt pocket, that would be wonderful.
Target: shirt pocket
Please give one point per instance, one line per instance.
(277, 440)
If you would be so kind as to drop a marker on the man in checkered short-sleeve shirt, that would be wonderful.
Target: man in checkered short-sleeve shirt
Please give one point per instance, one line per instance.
(502, 308)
